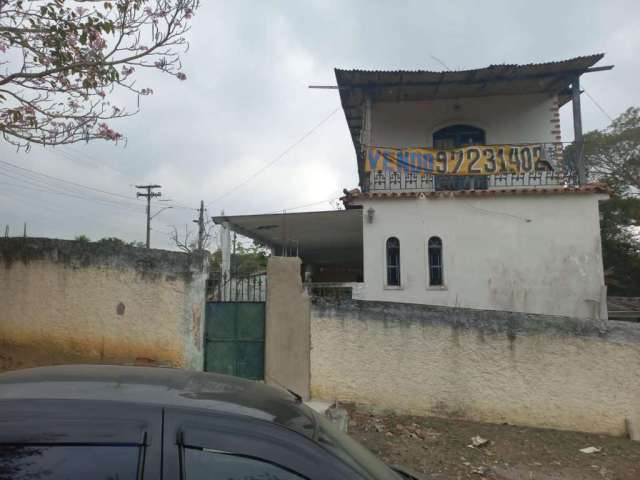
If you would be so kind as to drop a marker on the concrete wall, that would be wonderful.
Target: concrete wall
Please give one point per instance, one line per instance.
(72, 302)
(505, 119)
(487, 366)
(287, 336)
(524, 253)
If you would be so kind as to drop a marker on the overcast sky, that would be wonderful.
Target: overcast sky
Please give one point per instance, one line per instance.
(247, 100)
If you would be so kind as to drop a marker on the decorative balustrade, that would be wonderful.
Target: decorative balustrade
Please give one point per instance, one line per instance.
(533, 165)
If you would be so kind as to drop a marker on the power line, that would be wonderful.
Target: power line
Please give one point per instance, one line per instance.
(79, 157)
(599, 107)
(70, 195)
(284, 210)
(280, 156)
(79, 185)
(310, 204)
(66, 181)
(44, 188)
(440, 62)
(27, 201)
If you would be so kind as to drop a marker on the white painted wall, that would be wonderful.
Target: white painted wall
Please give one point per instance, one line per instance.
(505, 119)
(534, 254)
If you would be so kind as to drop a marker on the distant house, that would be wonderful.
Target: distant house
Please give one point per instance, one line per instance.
(467, 195)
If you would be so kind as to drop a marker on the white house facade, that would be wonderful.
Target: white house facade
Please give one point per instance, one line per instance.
(506, 119)
(467, 195)
(522, 253)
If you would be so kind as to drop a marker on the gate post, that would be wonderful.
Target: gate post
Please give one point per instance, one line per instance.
(288, 335)
(194, 310)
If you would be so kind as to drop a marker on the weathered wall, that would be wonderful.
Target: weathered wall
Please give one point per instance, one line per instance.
(523, 253)
(287, 336)
(487, 366)
(70, 302)
(505, 119)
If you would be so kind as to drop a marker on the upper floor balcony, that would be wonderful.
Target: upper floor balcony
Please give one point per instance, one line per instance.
(474, 167)
(475, 122)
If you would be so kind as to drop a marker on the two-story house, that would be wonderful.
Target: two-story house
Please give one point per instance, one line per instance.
(467, 195)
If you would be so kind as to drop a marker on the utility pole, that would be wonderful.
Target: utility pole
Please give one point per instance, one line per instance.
(149, 195)
(200, 222)
(577, 130)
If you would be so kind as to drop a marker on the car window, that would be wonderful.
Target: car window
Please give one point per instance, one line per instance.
(62, 462)
(202, 464)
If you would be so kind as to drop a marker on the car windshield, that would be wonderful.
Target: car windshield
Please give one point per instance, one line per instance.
(352, 452)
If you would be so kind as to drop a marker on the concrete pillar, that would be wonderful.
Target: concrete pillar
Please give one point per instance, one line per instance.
(288, 335)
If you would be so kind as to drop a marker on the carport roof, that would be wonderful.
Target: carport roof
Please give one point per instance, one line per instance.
(324, 238)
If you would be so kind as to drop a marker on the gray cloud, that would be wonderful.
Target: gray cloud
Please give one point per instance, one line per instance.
(246, 100)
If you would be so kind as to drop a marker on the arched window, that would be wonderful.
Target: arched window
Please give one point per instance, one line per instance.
(434, 252)
(455, 136)
(393, 262)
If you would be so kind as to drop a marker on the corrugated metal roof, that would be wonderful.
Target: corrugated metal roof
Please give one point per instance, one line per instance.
(326, 238)
(415, 85)
(576, 63)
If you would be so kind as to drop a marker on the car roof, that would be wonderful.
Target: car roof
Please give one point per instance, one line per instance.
(168, 387)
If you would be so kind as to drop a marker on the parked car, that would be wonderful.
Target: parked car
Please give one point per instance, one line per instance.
(109, 422)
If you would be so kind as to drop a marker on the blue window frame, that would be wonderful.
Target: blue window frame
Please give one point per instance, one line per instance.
(393, 262)
(434, 254)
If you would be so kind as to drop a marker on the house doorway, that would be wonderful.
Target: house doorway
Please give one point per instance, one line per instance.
(455, 136)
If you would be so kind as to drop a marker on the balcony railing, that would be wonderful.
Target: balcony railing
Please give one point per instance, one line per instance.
(550, 165)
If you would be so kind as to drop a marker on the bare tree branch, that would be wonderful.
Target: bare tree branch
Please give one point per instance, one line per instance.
(184, 242)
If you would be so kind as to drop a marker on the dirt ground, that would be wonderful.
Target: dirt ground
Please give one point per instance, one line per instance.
(441, 448)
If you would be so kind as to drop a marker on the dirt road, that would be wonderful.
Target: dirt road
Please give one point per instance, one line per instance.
(441, 447)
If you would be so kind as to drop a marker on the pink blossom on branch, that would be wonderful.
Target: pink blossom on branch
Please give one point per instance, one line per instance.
(77, 56)
(105, 132)
(127, 70)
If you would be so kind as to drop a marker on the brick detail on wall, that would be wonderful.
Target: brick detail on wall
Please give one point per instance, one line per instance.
(555, 120)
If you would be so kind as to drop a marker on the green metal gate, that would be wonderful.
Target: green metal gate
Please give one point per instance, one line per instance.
(234, 334)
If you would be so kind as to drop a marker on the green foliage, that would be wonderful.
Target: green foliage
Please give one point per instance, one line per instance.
(249, 260)
(110, 241)
(613, 156)
(114, 241)
(118, 242)
(246, 260)
(620, 246)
